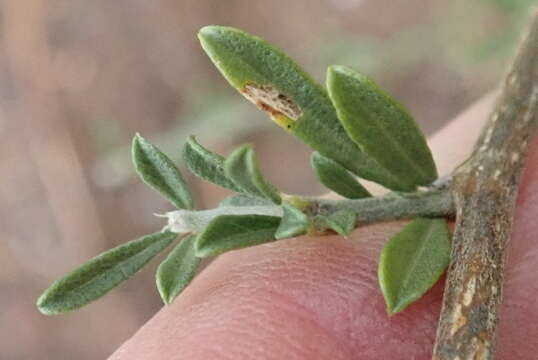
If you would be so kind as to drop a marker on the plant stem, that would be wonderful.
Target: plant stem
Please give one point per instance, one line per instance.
(393, 206)
(485, 189)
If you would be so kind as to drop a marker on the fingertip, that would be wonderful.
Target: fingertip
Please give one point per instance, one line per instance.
(301, 298)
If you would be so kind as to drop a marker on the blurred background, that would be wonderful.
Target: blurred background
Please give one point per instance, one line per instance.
(79, 78)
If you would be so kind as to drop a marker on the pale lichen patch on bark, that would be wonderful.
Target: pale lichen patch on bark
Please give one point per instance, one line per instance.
(469, 291)
(482, 349)
(512, 79)
(491, 321)
(489, 132)
(458, 319)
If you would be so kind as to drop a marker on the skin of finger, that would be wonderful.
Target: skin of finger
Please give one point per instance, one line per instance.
(318, 298)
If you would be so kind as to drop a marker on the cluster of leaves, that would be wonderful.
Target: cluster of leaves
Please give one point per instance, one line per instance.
(355, 129)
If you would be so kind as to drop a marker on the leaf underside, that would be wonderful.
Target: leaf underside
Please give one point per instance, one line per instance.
(342, 221)
(336, 178)
(412, 261)
(241, 166)
(294, 222)
(381, 127)
(207, 165)
(160, 173)
(101, 274)
(231, 232)
(177, 270)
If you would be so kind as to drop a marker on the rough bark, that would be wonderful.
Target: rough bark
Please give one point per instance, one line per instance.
(485, 189)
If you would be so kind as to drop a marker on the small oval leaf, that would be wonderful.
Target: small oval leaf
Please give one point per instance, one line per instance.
(412, 261)
(342, 221)
(294, 222)
(207, 165)
(242, 168)
(177, 270)
(336, 178)
(273, 82)
(101, 274)
(231, 232)
(160, 173)
(381, 127)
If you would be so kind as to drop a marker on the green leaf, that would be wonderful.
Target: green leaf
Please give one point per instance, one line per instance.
(207, 165)
(231, 232)
(342, 221)
(412, 261)
(242, 168)
(177, 271)
(245, 200)
(381, 127)
(294, 222)
(272, 81)
(102, 273)
(335, 177)
(160, 173)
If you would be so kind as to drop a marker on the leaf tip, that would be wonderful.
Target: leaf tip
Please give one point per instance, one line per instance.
(200, 248)
(163, 292)
(48, 304)
(394, 308)
(138, 139)
(202, 252)
(42, 304)
(137, 144)
(338, 72)
(208, 30)
(205, 32)
(209, 37)
(333, 70)
(342, 69)
(391, 311)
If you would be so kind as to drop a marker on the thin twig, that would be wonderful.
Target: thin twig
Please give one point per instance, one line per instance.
(434, 202)
(429, 203)
(485, 189)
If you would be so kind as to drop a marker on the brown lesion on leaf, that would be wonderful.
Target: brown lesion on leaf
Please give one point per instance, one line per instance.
(272, 101)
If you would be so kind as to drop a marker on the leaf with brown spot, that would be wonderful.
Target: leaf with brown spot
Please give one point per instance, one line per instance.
(276, 84)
